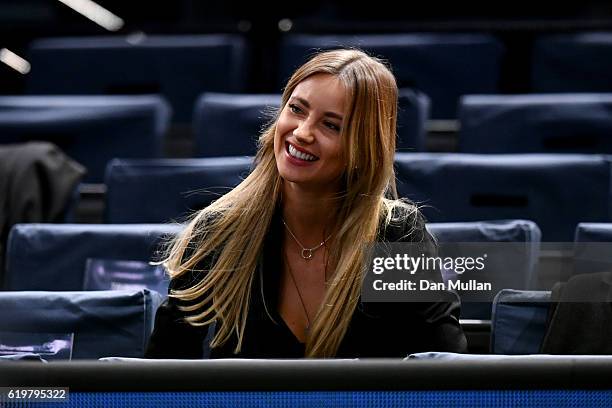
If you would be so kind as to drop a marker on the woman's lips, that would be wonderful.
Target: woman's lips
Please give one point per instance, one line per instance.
(295, 160)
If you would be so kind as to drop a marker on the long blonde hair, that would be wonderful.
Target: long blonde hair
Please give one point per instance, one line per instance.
(230, 232)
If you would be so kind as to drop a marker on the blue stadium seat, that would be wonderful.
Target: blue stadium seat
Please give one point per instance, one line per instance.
(555, 191)
(443, 66)
(54, 256)
(90, 129)
(543, 123)
(593, 232)
(486, 231)
(104, 323)
(519, 269)
(228, 125)
(174, 188)
(179, 67)
(519, 321)
(580, 62)
(413, 113)
(592, 248)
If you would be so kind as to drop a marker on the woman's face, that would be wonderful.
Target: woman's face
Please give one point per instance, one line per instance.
(307, 143)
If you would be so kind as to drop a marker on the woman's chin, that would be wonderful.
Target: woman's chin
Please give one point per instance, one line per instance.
(296, 179)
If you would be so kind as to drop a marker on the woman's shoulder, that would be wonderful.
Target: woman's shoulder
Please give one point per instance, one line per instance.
(403, 222)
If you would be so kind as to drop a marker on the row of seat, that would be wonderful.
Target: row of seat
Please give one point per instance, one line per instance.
(115, 256)
(95, 129)
(97, 324)
(555, 191)
(34, 259)
(47, 303)
(227, 125)
(441, 65)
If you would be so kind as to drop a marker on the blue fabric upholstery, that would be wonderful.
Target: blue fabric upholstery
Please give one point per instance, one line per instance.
(90, 129)
(53, 256)
(104, 323)
(520, 268)
(593, 248)
(519, 321)
(443, 66)
(545, 123)
(179, 67)
(228, 125)
(467, 187)
(578, 62)
(593, 232)
(173, 188)
(413, 113)
(487, 231)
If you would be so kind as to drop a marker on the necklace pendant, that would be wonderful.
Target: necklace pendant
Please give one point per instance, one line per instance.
(307, 253)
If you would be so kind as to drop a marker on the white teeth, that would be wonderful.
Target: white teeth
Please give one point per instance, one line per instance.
(302, 156)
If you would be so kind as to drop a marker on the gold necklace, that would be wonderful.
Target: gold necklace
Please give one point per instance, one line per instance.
(307, 328)
(306, 253)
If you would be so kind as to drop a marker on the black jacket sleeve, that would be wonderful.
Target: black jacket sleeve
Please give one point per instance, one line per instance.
(438, 328)
(172, 336)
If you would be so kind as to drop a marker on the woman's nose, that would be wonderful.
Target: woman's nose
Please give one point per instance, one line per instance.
(304, 132)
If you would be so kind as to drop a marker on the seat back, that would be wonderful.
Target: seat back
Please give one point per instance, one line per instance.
(413, 112)
(419, 61)
(540, 188)
(229, 124)
(518, 269)
(179, 67)
(90, 129)
(519, 321)
(577, 62)
(48, 257)
(563, 123)
(174, 188)
(593, 232)
(103, 323)
(592, 248)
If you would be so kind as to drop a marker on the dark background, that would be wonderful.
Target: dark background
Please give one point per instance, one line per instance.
(516, 23)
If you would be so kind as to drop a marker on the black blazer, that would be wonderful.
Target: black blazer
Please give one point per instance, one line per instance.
(376, 329)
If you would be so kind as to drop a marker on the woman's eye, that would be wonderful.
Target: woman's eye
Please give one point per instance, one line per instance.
(294, 108)
(332, 126)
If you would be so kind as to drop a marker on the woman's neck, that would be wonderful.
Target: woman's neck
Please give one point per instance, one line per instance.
(309, 214)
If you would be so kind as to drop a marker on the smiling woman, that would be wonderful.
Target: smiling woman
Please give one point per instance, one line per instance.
(274, 268)
(307, 142)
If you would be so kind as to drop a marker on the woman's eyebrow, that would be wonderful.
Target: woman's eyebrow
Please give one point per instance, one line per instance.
(307, 105)
(333, 115)
(302, 101)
